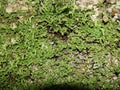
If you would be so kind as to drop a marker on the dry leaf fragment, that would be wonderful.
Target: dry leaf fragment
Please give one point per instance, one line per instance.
(105, 19)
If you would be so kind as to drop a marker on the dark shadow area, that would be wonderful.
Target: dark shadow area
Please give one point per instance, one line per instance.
(65, 87)
(60, 87)
(51, 87)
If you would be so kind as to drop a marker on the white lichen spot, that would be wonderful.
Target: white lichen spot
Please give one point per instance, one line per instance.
(14, 26)
(30, 81)
(13, 41)
(90, 7)
(94, 16)
(115, 78)
(9, 9)
(115, 17)
(35, 68)
(24, 8)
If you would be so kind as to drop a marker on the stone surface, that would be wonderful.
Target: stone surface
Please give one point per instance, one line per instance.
(14, 6)
(85, 2)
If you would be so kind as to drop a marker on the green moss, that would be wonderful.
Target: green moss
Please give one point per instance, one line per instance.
(58, 44)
